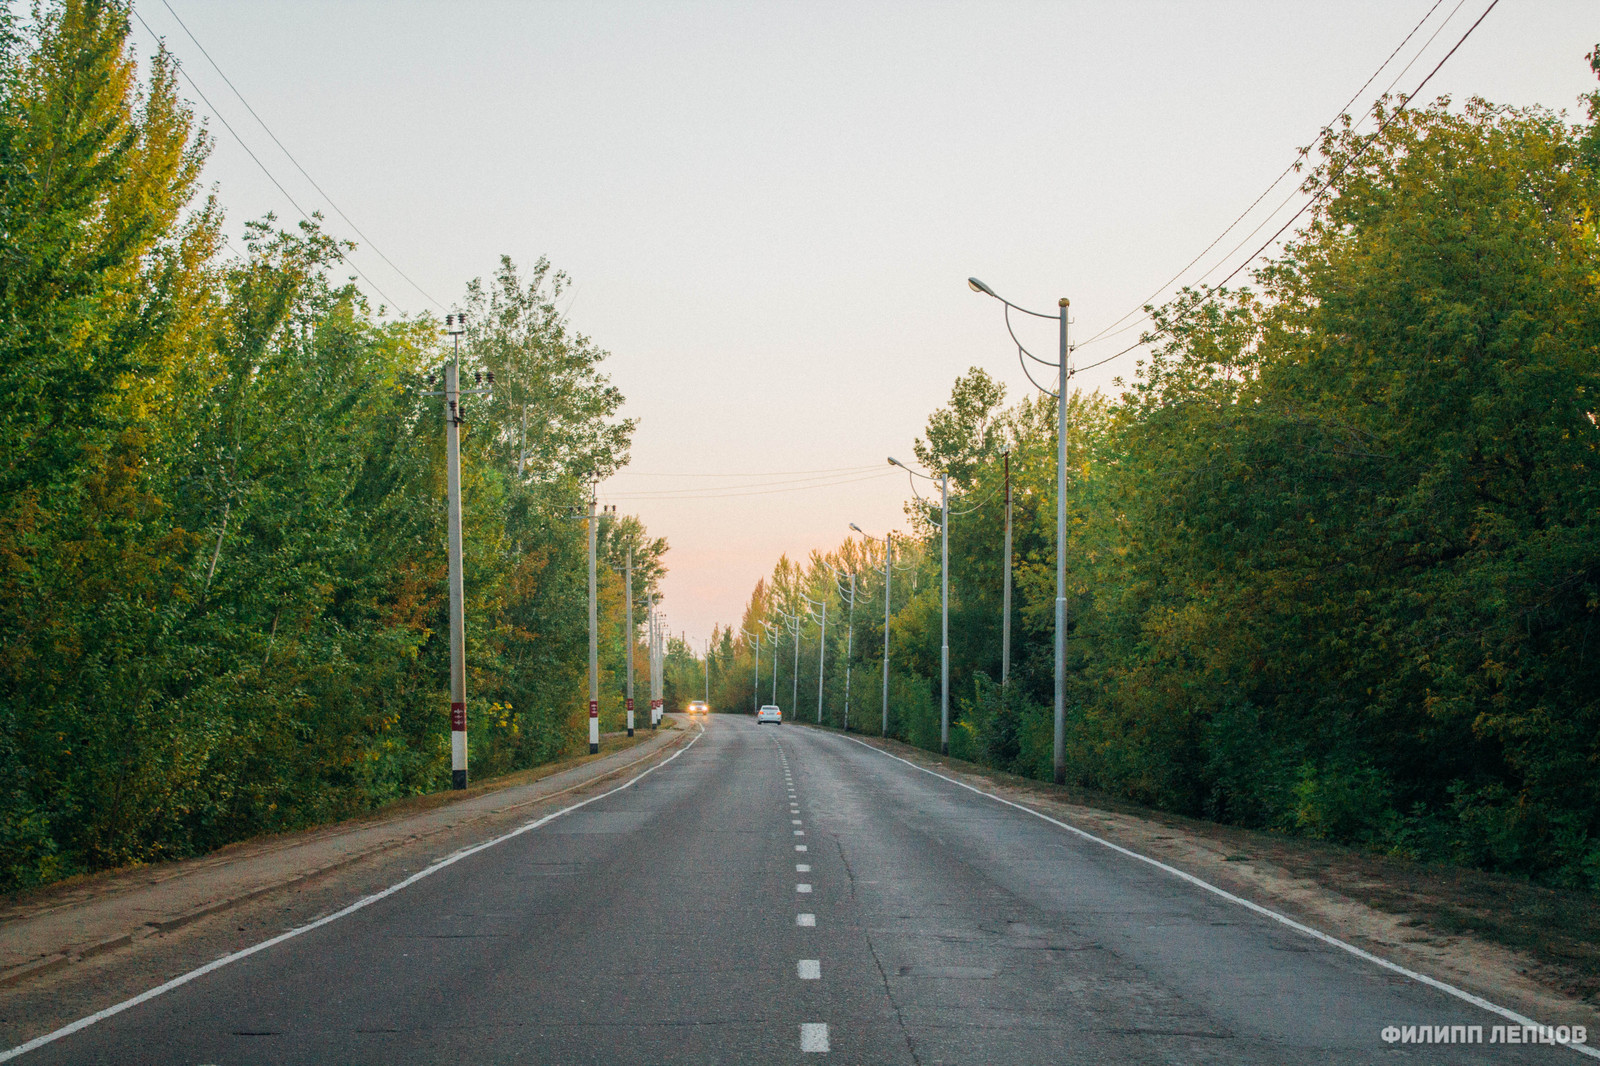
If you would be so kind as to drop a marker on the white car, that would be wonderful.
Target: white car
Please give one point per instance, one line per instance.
(769, 713)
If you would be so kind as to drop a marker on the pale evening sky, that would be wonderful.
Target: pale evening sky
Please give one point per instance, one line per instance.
(769, 210)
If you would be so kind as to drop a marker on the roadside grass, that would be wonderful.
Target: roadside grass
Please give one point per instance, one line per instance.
(1557, 929)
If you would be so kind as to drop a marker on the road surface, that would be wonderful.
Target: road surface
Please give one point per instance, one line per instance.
(776, 894)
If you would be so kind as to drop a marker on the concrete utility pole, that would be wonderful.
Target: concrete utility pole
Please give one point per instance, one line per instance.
(655, 673)
(594, 641)
(650, 655)
(1005, 601)
(458, 625)
(628, 644)
(455, 326)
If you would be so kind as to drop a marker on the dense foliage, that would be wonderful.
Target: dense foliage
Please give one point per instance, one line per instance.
(1335, 551)
(221, 496)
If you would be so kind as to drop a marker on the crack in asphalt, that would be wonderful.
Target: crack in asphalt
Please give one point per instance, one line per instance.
(883, 975)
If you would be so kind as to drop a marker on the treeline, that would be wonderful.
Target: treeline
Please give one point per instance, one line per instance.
(222, 536)
(1334, 550)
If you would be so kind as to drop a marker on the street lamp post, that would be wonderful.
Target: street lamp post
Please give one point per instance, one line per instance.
(1063, 375)
(794, 681)
(822, 650)
(888, 573)
(849, 645)
(944, 602)
(771, 640)
(755, 681)
(1005, 599)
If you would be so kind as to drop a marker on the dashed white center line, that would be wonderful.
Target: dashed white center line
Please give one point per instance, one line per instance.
(813, 1036)
(796, 821)
(799, 832)
(802, 867)
(809, 969)
(809, 921)
(803, 889)
(800, 847)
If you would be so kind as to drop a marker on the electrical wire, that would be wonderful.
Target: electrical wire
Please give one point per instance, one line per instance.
(768, 473)
(728, 495)
(1371, 140)
(1318, 193)
(290, 156)
(985, 498)
(796, 482)
(1112, 329)
(178, 66)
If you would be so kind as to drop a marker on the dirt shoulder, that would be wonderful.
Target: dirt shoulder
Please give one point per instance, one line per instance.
(46, 929)
(1534, 949)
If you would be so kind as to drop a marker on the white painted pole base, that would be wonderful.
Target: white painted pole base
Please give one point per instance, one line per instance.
(458, 746)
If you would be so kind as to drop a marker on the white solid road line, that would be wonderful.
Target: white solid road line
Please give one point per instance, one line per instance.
(813, 1036)
(217, 964)
(808, 969)
(1316, 934)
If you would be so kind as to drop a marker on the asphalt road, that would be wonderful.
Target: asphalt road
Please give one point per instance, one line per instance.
(776, 894)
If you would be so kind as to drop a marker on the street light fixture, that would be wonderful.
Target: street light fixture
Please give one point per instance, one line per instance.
(822, 646)
(770, 628)
(1064, 374)
(849, 635)
(755, 684)
(888, 574)
(944, 599)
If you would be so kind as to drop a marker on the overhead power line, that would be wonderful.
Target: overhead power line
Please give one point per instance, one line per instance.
(1317, 193)
(1371, 140)
(763, 473)
(1113, 329)
(217, 114)
(290, 156)
(761, 489)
